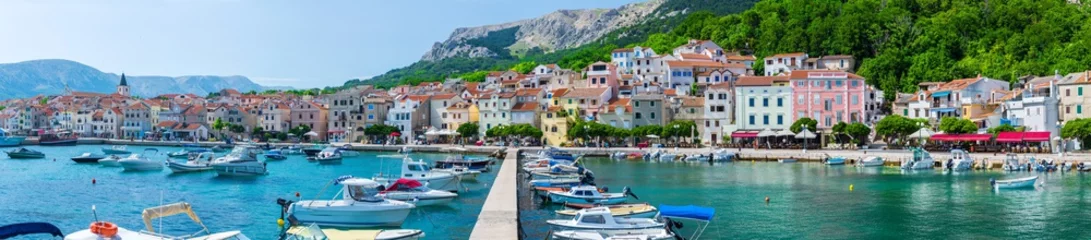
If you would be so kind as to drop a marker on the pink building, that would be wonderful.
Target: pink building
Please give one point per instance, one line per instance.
(602, 75)
(828, 96)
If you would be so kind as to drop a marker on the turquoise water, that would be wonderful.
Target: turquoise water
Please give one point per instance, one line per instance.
(813, 201)
(61, 193)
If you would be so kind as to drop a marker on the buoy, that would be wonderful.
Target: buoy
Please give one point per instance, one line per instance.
(766, 199)
(93, 182)
(296, 194)
(280, 222)
(850, 187)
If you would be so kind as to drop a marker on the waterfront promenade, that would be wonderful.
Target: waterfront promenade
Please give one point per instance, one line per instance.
(499, 217)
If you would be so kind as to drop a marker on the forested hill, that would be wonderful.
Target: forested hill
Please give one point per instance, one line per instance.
(898, 42)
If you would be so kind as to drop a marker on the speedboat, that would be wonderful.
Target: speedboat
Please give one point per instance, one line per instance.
(409, 190)
(456, 160)
(110, 161)
(242, 161)
(359, 206)
(723, 155)
(9, 140)
(544, 165)
(188, 152)
(834, 160)
(668, 214)
(872, 161)
(460, 171)
(558, 154)
(590, 194)
(1083, 167)
(960, 161)
(1027, 182)
(602, 219)
(313, 150)
(1012, 164)
(25, 153)
(292, 150)
(642, 210)
(141, 162)
(313, 232)
(274, 155)
(921, 160)
(106, 230)
(200, 162)
(330, 155)
(345, 151)
(418, 170)
(88, 158)
(116, 149)
(633, 234)
(14, 230)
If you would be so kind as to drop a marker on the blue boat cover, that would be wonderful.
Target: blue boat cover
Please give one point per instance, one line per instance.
(10, 231)
(689, 211)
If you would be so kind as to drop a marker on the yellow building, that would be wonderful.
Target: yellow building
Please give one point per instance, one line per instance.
(554, 125)
(474, 113)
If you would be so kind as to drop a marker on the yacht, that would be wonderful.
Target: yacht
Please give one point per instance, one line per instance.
(198, 163)
(409, 190)
(590, 194)
(358, 206)
(602, 219)
(242, 161)
(418, 170)
(116, 149)
(9, 140)
(141, 162)
(960, 161)
(921, 160)
(106, 230)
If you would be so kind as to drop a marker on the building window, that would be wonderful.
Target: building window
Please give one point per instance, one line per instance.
(801, 99)
(905, 112)
(652, 115)
(751, 119)
(1079, 91)
(1079, 109)
(636, 103)
(765, 102)
(751, 102)
(780, 119)
(637, 116)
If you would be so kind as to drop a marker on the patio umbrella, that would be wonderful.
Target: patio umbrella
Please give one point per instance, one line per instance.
(805, 134)
(924, 133)
(652, 136)
(395, 134)
(766, 133)
(785, 133)
(311, 133)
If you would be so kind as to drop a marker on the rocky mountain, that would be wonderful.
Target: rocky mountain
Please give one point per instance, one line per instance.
(48, 77)
(558, 30)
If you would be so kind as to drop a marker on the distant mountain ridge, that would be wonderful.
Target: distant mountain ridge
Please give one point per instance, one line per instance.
(49, 76)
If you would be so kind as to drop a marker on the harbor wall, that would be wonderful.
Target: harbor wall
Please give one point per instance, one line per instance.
(499, 218)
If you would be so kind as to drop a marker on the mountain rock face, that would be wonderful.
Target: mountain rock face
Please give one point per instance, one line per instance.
(555, 31)
(48, 77)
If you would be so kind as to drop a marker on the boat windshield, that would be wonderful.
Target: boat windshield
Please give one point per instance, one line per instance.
(418, 167)
(362, 194)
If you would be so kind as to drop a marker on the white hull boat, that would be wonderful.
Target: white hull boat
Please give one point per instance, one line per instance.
(1027, 182)
(921, 160)
(140, 162)
(412, 191)
(116, 149)
(871, 162)
(420, 171)
(330, 155)
(600, 219)
(462, 172)
(151, 214)
(959, 161)
(202, 162)
(1012, 164)
(110, 161)
(634, 234)
(590, 195)
(313, 232)
(241, 162)
(667, 157)
(359, 206)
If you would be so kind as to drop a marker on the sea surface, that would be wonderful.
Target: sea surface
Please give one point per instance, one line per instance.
(814, 201)
(61, 192)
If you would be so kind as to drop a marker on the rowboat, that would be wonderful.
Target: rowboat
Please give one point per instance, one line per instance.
(1027, 182)
(642, 210)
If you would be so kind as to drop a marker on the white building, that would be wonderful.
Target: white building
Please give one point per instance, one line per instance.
(784, 63)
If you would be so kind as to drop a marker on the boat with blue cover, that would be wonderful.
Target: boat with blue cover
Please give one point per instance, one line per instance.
(7, 140)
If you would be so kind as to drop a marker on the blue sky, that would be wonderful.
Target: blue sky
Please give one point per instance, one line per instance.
(274, 42)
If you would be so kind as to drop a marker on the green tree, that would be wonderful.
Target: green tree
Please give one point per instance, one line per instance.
(858, 132)
(1079, 128)
(1002, 128)
(896, 127)
(838, 130)
(524, 67)
(797, 126)
(468, 129)
(219, 125)
(957, 125)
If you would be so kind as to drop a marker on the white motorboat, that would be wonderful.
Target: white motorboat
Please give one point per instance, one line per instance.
(242, 161)
(116, 149)
(1083, 166)
(959, 161)
(110, 161)
(921, 160)
(872, 161)
(201, 162)
(420, 171)
(347, 152)
(102, 229)
(667, 157)
(461, 171)
(1027, 182)
(1012, 163)
(313, 232)
(330, 155)
(601, 219)
(723, 155)
(409, 190)
(641, 210)
(141, 162)
(632, 234)
(359, 206)
(590, 194)
(88, 158)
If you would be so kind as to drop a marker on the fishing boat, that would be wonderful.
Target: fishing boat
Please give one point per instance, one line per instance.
(959, 161)
(242, 161)
(141, 162)
(200, 162)
(632, 234)
(11, 231)
(116, 149)
(460, 171)
(418, 170)
(7, 140)
(834, 160)
(313, 232)
(55, 138)
(602, 219)
(590, 194)
(642, 210)
(105, 230)
(1012, 163)
(25, 153)
(1027, 182)
(921, 160)
(88, 158)
(872, 161)
(330, 155)
(409, 190)
(274, 155)
(110, 161)
(358, 206)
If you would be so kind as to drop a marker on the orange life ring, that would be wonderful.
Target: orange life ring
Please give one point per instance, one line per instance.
(104, 229)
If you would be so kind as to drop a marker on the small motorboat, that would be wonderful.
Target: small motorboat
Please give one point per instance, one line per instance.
(313, 232)
(834, 161)
(420, 171)
(618, 155)
(141, 162)
(638, 234)
(601, 218)
(88, 158)
(7, 140)
(556, 182)
(921, 160)
(477, 164)
(359, 206)
(346, 151)
(642, 210)
(1012, 163)
(25, 153)
(1045, 165)
(116, 149)
(620, 229)
(959, 161)
(110, 161)
(590, 194)
(14, 230)
(667, 157)
(292, 150)
(107, 230)
(330, 155)
(405, 150)
(313, 150)
(412, 191)
(201, 162)
(872, 161)
(242, 162)
(274, 155)
(1084, 167)
(1027, 182)
(188, 152)
(786, 160)
(461, 171)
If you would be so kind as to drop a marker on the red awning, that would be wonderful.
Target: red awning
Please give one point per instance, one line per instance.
(974, 137)
(1009, 137)
(395, 134)
(744, 135)
(942, 137)
(337, 131)
(1036, 136)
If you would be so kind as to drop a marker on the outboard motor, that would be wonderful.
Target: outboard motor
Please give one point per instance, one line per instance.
(628, 191)
(670, 226)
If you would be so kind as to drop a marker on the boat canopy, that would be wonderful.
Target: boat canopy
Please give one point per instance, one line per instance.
(169, 210)
(360, 182)
(403, 183)
(689, 211)
(13, 230)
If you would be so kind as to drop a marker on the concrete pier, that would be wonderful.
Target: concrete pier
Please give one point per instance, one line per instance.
(499, 218)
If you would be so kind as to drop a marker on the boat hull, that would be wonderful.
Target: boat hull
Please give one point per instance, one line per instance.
(87, 159)
(108, 151)
(140, 165)
(328, 160)
(11, 141)
(311, 152)
(1016, 183)
(184, 168)
(443, 183)
(563, 198)
(25, 156)
(109, 162)
(421, 199)
(239, 171)
(479, 165)
(58, 142)
(345, 216)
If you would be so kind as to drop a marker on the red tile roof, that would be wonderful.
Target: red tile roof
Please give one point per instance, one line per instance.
(443, 96)
(694, 56)
(528, 92)
(525, 106)
(585, 92)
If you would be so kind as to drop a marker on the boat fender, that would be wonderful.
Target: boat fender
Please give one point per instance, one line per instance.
(850, 187)
(104, 229)
(93, 181)
(766, 199)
